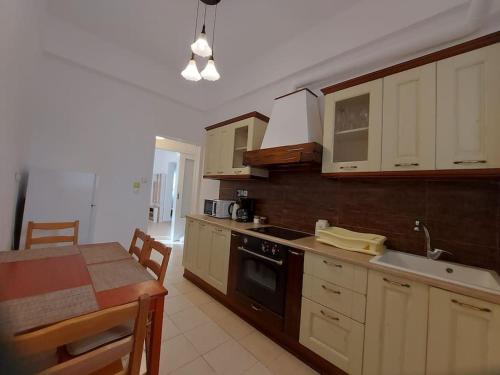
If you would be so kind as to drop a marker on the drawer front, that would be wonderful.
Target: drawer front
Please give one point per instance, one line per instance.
(335, 297)
(332, 336)
(341, 273)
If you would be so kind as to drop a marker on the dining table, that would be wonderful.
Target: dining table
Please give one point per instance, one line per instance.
(40, 287)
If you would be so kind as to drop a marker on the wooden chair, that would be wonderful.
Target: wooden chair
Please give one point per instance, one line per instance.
(159, 269)
(30, 240)
(107, 356)
(136, 250)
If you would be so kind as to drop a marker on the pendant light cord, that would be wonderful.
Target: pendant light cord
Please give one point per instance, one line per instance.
(213, 30)
(196, 21)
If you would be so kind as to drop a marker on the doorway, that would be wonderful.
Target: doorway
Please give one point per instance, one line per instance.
(174, 189)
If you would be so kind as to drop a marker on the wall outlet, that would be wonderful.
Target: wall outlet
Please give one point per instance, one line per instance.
(241, 193)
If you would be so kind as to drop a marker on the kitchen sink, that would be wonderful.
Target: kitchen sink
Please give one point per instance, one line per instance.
(472, 277)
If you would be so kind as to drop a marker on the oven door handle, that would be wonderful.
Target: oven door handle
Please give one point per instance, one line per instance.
(278, 262)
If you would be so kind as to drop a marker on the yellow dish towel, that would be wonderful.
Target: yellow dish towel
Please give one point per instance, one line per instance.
(367, 243)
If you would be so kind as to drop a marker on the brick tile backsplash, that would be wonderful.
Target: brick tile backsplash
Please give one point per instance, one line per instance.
(463, 216)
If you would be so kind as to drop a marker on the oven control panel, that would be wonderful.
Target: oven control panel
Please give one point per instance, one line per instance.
(268, 248)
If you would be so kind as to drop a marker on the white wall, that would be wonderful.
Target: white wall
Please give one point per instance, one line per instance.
(87, 121)
(19, 49)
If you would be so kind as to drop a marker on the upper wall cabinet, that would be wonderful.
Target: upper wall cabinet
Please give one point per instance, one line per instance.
(353, 129)
(227, 141)
(468, 115)
(409, 124)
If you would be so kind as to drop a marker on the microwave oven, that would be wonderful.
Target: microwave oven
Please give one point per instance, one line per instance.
(217, 208)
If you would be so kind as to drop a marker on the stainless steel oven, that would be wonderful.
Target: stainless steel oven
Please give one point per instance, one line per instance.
(262, 268)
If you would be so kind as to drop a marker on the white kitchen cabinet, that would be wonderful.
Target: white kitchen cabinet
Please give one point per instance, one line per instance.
(468, 110)
(218, 152)
(218, 260)
(464, 335)
(206, 252)
(190, 243)
(352, 134)
(226, 144)
(409, 120)
(396, 326)
(333, 336)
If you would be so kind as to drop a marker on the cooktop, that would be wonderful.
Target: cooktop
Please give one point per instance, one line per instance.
(286, 234)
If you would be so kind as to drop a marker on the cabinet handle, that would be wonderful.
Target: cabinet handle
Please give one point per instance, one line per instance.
(238, 172)
(218, 229)
(234, 235)
(326, 315)
(295, 253)
(330, 290)
(332, 264)
(349, 167)
(396, 283)
(256, 308)
(406, 165)
(469, 162)
(469, 306)
(220, 172)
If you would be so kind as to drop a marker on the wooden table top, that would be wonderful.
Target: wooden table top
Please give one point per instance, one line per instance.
(38, 274)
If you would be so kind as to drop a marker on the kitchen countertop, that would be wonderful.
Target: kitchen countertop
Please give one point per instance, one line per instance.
(312, 245)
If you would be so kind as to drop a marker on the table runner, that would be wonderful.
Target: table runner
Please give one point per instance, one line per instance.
(103, 252)
(31, 254)
(116, 274)
(22, 314)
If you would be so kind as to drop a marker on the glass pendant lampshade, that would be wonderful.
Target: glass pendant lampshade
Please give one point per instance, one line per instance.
(210, 72)
(200, 46)
(191, 72)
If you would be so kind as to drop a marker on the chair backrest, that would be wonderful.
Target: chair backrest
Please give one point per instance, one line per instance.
(159, 269)
(30, 240)
(74, 329)
(134, 248)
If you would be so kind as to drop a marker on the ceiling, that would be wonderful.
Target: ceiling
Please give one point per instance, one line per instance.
(162, 30)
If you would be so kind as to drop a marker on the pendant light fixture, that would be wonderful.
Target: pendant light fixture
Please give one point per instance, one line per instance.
(210, 72)
(201, 47)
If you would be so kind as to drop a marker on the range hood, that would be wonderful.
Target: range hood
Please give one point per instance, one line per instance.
(293, 135)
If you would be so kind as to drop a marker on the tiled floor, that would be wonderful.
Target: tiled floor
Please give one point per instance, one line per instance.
(202, 337)
(160, 231)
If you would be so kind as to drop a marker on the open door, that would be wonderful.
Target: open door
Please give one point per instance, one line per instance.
(185, 201)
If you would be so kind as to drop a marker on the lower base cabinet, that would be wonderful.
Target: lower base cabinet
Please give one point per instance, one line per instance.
(464, 335)
(333, 336)
(396, 326)
(206, 253)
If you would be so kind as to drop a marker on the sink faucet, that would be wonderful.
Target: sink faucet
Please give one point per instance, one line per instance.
(433, 254)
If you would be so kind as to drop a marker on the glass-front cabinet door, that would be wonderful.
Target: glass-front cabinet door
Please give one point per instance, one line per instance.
(352, 136)
(241, 135)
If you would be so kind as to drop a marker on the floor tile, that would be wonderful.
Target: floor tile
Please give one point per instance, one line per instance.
(172, 290)
(260, 369)
(207, 336)
(185, 286)
(214, 309)
(189, 318)
(234, 325)
(287, 364)
(263, 348)
(197, 367)
(230, 358)
(169, 329)
(175, 304)
(175, 353)
(198, 297)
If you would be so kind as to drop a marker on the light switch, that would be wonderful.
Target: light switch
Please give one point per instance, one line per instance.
(136, 185)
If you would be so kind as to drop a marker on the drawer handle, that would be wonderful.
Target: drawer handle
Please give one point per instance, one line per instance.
(295, 253)
(238, 172)
(256, 308)
(469, 306)
(326, 315)
(406, 165)
(349, 167)
(330, 290)
(469, 162)
(332, 264)
(220, 172)
(404, 285)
